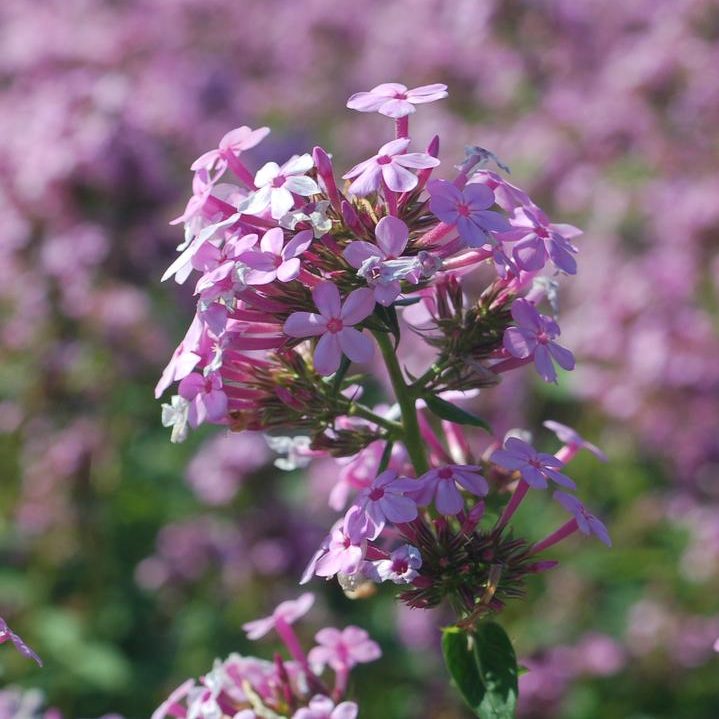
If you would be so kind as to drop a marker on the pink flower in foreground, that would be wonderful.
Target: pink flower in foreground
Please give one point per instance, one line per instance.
(344, 549)
(334, 326)
(6, 634)
(534, 336)
(233, 144)
(586, 521)
(342, 650)
(322, 707)
(441, 485)
(389, 164)
(276, 186)
(289, 612)
(468, 209)
(273, 261)
(535, 467)
(395, 100)
(208, 403)
(400, 568)
(385, 500)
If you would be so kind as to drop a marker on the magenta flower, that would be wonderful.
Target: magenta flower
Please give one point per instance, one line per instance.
(6, 634)
(208, 403)
(538, 240)
(441, 485)
(468, 209)
(386, 501)
(233, 144)
(334, 326)
(277, 184)
(342, 650)
(217, 263)
(586, 521)
(343, 549)
(394, 100)
(535, 467)
(289, 612)
(574, 440)
(322, 707)
(375, 261)
(273, 261)
(389, 165)
(534, 336)
(400, 568)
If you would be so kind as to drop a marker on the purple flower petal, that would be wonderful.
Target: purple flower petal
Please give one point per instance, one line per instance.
(355, 345)
(397, 178)
(358, 305)
(392, 235)
(328, 354)
(327, 298)
(305, 324)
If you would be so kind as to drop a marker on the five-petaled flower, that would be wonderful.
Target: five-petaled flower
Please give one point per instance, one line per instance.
(395, 100)
(389, 165)
(208, 402)
(276, 186)
(386, 500)
(441, 483)
(334, 326)
(342, 650)
(535, 467)
(288, 612)
(587, 523)
(468, 209)
(534, 336)
(400, 568)
(232, 145)
(274, 260)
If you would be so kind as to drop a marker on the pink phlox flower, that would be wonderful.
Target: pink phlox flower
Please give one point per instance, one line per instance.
(441, 483)
(538, 240)
(534, 337)
(275, 260)
(586, 521)
(401, 567)
(289, 612)
(184, 359)
(313, 214)
(389, 164)
(276, 186)
(535, 467)
(468, 209)
(573, 439)
(394, 100)
(334, 326)
(201, 190)
(6, 634)
(233, 144)
(216, 263)
(379, 264)
(342, 650)
(344, 548)
(322, 707)
(386, 501)
(208, 402)
(172, 706)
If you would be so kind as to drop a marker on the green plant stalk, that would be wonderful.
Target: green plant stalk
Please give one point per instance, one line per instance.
(406, 399)
(395, 429)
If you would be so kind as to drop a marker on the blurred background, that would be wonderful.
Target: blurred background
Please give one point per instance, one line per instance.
(129, 563)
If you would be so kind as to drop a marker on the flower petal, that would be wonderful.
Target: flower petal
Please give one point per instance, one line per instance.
(328, 354)
(358, 305)
(305, 324)
(357, 346)
(327, 298)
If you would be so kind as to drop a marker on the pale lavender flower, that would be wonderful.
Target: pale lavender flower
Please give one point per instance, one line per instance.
(208, 402)
(386, 501)
(273, 260)
(342, 650)
(468, 209)
(289, 612)
(344, 549)
(441, 485)
(322, 707)
(586, 521)
(232, 145)
(394, 100)
(334, 326)
(400, 568)
(535, 467)
(276, 186)
(389, 165)
(534, 336)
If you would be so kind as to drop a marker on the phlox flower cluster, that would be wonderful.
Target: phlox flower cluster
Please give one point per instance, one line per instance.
(286, 688)
(299, 276)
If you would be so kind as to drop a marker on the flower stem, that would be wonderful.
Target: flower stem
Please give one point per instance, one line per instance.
(412, 436)
(359, 410)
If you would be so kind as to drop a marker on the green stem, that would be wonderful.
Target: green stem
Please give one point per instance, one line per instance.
(405, 398)
(359, 410)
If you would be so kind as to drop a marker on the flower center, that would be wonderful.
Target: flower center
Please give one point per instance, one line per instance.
(542, 232)
(400, 96)
(335, 325)
(445, 473)
(463, 209)
(542, 338)
(384, 160)
(376, 493)
(400, 566)
(279, 181)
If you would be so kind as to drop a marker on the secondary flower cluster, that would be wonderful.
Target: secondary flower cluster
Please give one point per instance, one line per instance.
(251, 688)
(300, 276)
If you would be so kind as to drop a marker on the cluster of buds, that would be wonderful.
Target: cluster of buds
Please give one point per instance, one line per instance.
(295, 688)
(300, 277)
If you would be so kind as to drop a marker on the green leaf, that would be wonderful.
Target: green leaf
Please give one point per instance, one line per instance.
(498, 668)
(483, 667)
(455, 414)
